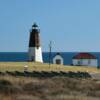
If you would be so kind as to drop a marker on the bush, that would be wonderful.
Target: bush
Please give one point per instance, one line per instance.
(6, 87)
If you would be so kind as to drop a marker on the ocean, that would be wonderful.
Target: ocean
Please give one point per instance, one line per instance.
(23, 56)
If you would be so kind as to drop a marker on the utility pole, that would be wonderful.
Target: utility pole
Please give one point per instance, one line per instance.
(50, 48)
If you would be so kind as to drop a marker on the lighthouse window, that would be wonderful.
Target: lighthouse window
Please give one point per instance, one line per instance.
(58, 61)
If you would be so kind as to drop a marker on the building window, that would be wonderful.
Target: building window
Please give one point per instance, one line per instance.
(58, 61)
(79, 62)
(89, 61)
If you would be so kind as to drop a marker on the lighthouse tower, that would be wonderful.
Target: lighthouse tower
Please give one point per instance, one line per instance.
(35, 52)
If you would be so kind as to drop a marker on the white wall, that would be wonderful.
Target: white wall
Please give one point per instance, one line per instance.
(58, 57)
(36, 54)
(31, 53)
(85, 62)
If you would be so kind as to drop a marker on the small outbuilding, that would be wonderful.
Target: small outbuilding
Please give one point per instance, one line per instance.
(58, 59)
(85, 59)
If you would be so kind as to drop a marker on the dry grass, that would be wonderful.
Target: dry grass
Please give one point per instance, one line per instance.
(57, 88)
(19, 66)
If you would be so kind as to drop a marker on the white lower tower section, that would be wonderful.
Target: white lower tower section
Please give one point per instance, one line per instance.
(35, 54)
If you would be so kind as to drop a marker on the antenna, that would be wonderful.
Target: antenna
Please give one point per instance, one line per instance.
(50, 48)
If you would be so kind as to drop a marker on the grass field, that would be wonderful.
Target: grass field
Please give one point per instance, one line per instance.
(19, 66)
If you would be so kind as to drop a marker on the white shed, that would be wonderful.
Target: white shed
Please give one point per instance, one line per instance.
(58, 59)
(85, 59)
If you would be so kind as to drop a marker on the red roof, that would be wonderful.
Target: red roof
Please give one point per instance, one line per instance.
(84, 56)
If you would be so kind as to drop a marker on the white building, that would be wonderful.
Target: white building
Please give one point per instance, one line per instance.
(85, 59)
(58, 59)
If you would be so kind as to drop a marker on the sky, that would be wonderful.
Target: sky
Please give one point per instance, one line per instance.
(71, 25)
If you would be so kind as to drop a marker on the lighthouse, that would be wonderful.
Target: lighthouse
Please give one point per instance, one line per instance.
(35, 52)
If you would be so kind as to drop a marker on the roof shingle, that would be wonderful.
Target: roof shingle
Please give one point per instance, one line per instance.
(84, 56)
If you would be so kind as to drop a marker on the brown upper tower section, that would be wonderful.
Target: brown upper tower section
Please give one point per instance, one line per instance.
(34, 36)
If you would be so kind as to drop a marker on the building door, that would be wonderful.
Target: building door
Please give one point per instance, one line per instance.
(32, 58)
(58, 61)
